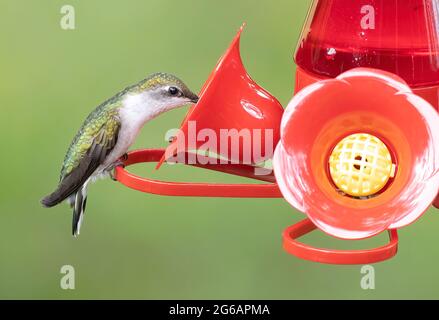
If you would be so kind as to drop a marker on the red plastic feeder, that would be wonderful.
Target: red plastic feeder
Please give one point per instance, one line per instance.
(368, 162)
(357, 151)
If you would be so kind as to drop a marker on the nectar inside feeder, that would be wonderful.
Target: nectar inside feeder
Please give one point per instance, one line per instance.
(230, 103)
(367, 163)
(401, 37)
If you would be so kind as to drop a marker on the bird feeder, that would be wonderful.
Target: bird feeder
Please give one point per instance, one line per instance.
(356, 149)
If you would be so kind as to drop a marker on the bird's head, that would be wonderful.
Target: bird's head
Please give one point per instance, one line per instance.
(160, 92)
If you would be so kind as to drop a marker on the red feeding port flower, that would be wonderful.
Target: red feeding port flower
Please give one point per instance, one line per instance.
(359, 154)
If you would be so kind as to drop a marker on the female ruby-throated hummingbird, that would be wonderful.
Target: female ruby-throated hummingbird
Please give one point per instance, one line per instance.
(108, 132)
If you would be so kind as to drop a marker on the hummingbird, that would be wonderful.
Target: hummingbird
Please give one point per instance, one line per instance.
(107, 133)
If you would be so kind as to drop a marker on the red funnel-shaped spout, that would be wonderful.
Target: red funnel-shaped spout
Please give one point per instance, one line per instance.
(234, 118)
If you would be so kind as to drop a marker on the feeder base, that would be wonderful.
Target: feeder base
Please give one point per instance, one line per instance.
(330, 256)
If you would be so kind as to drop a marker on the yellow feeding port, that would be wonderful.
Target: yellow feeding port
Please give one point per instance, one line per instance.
(360, 165)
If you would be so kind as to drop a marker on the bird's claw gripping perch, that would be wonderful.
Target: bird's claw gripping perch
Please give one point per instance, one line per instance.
(121, 163)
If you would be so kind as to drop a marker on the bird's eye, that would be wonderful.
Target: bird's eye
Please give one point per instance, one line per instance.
(173, 91)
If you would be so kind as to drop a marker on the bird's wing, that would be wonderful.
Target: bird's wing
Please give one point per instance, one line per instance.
(101, 145)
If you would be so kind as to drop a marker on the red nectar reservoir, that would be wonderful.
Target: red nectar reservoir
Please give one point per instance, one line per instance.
(399, 36)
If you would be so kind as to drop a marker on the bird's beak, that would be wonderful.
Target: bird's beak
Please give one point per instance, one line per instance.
(193, 98)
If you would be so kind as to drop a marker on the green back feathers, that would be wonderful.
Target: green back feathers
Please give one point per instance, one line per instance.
(83, 139)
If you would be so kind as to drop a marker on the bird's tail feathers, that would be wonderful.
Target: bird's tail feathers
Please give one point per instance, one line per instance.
(78, 209)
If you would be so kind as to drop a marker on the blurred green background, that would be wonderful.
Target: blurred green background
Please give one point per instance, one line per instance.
(136, 245)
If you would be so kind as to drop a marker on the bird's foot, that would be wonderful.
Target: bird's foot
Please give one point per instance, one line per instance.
(112, 176)
(120, 162)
